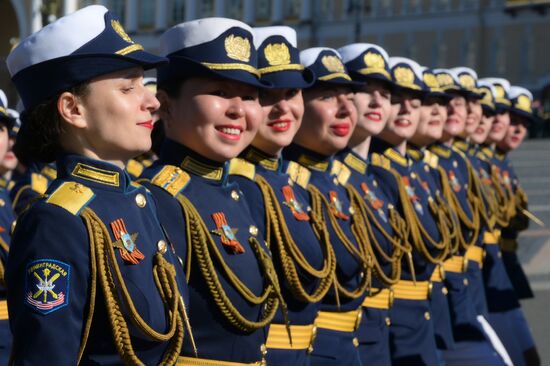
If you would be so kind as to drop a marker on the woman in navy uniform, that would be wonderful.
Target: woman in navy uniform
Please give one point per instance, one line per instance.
(328, 123)
(92, 277)
(368, 63)
(7, 218)
(210, 108)
(303, 258)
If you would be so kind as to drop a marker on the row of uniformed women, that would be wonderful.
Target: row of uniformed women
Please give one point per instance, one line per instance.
(273, 228)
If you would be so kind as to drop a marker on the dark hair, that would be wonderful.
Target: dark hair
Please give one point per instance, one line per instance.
(172, 86)
(38, 139)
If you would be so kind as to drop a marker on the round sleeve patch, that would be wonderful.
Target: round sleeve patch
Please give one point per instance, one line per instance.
(47, 285)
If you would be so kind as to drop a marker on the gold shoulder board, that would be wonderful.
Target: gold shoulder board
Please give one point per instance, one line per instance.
(238, 166)
(39, 183)
(343, 175)
(135, 168)
(299, 174)
(71, 196)
(172, 179)
(381, 161)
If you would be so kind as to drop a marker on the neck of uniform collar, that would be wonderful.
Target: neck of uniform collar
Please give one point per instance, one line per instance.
(92, 173)
(211, 171)
(263, 159)
(388, 150)
(415, 152)
(500, 154)
(308, 158)
(462, 144)
(353, 160)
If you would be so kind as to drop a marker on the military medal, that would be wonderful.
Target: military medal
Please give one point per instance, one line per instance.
(485, 178)
(336, 206)
(126, 243)
(294, 205)
(226, 233)
(454, 182)
(506, 178)
(412, 196)
(374, 201)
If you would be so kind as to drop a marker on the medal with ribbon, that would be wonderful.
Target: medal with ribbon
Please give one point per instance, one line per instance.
(336, 206)
(126, 243)
(226, 233)
(294, 205)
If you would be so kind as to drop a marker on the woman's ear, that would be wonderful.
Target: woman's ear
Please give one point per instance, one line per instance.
(71, 110)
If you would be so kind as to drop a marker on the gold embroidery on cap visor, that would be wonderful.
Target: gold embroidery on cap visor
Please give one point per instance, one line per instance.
(500, 95)
(487, 99)
(524, 103)
(405, 77)
(237, 48)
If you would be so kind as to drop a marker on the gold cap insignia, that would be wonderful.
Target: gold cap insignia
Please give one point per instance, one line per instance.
(120, 31)
(277, 54)
(445, 80)
(500, 93)
(237, 48)
(524, 103)
(467, 81)
(431, 81)
(487, 95)
(333, 64)
(404, 75)
(374, 60)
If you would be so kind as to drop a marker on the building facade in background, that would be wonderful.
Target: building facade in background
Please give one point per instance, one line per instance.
(495, 37)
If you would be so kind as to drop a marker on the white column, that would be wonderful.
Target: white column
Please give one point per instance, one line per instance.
(190, 9)
(219, 8)
(277, 11)
(36, 16)
(249, 15)
(161, 14)
(305, 11)
(69, 6)
(131, 16)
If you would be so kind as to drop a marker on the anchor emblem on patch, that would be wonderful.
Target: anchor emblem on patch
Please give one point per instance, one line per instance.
(454, 181)
(295, 206)
(226, 233)
(126, 243)
(336, 206)
(412, 196)
(374, 201)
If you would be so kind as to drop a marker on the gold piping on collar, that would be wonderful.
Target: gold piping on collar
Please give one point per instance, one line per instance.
(488, 151)
(97, 175)
(257, 157)
(277, 68)
(440, 151)
(461, 145)
(49, 172)
(396, 157)
(414, 153)
(355, 163)
(232, 66)
(201, 169)
(310, 163)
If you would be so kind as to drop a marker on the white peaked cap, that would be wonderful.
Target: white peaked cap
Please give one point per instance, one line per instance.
(263, 33)
(516, 91)
(352, 51)
(503, 82)
(310, 55)
(45, 44)
(416, 68)
(196, 32)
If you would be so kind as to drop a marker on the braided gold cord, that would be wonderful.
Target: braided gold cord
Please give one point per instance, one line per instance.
(203, 248)
(289, 252)
(113, 284)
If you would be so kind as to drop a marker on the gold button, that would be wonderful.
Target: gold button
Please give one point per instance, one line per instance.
(455, 164)
(427, 315)
(308, 209)
(426, 168)
(13, 225)
(351, 210)
(465, 281)
(253, 230)
(499, 254)
(413, 175)
(141, 201)
(445, 291)
(2, 202)
(355, 342)
(388, 321)
(263, 349)
(290, 182)
(161, 246)
(235, 195)
(390, 206)
(375, 183)
(335, 181)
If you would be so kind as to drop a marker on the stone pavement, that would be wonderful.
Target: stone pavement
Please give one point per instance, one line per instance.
(532, 165)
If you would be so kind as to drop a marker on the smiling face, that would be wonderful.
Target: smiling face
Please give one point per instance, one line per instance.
(116, 117)
(10, 160)
(500, 127)
(373, 106)
(473, 117)
(456, 117)
(283, 110)
(482, 131)
(433, 114)
(404, 117)
(515, 133)
(4, 145)
(329, 119)
(214, 117)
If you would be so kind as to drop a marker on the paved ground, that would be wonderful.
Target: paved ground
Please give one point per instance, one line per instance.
(532, 164)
